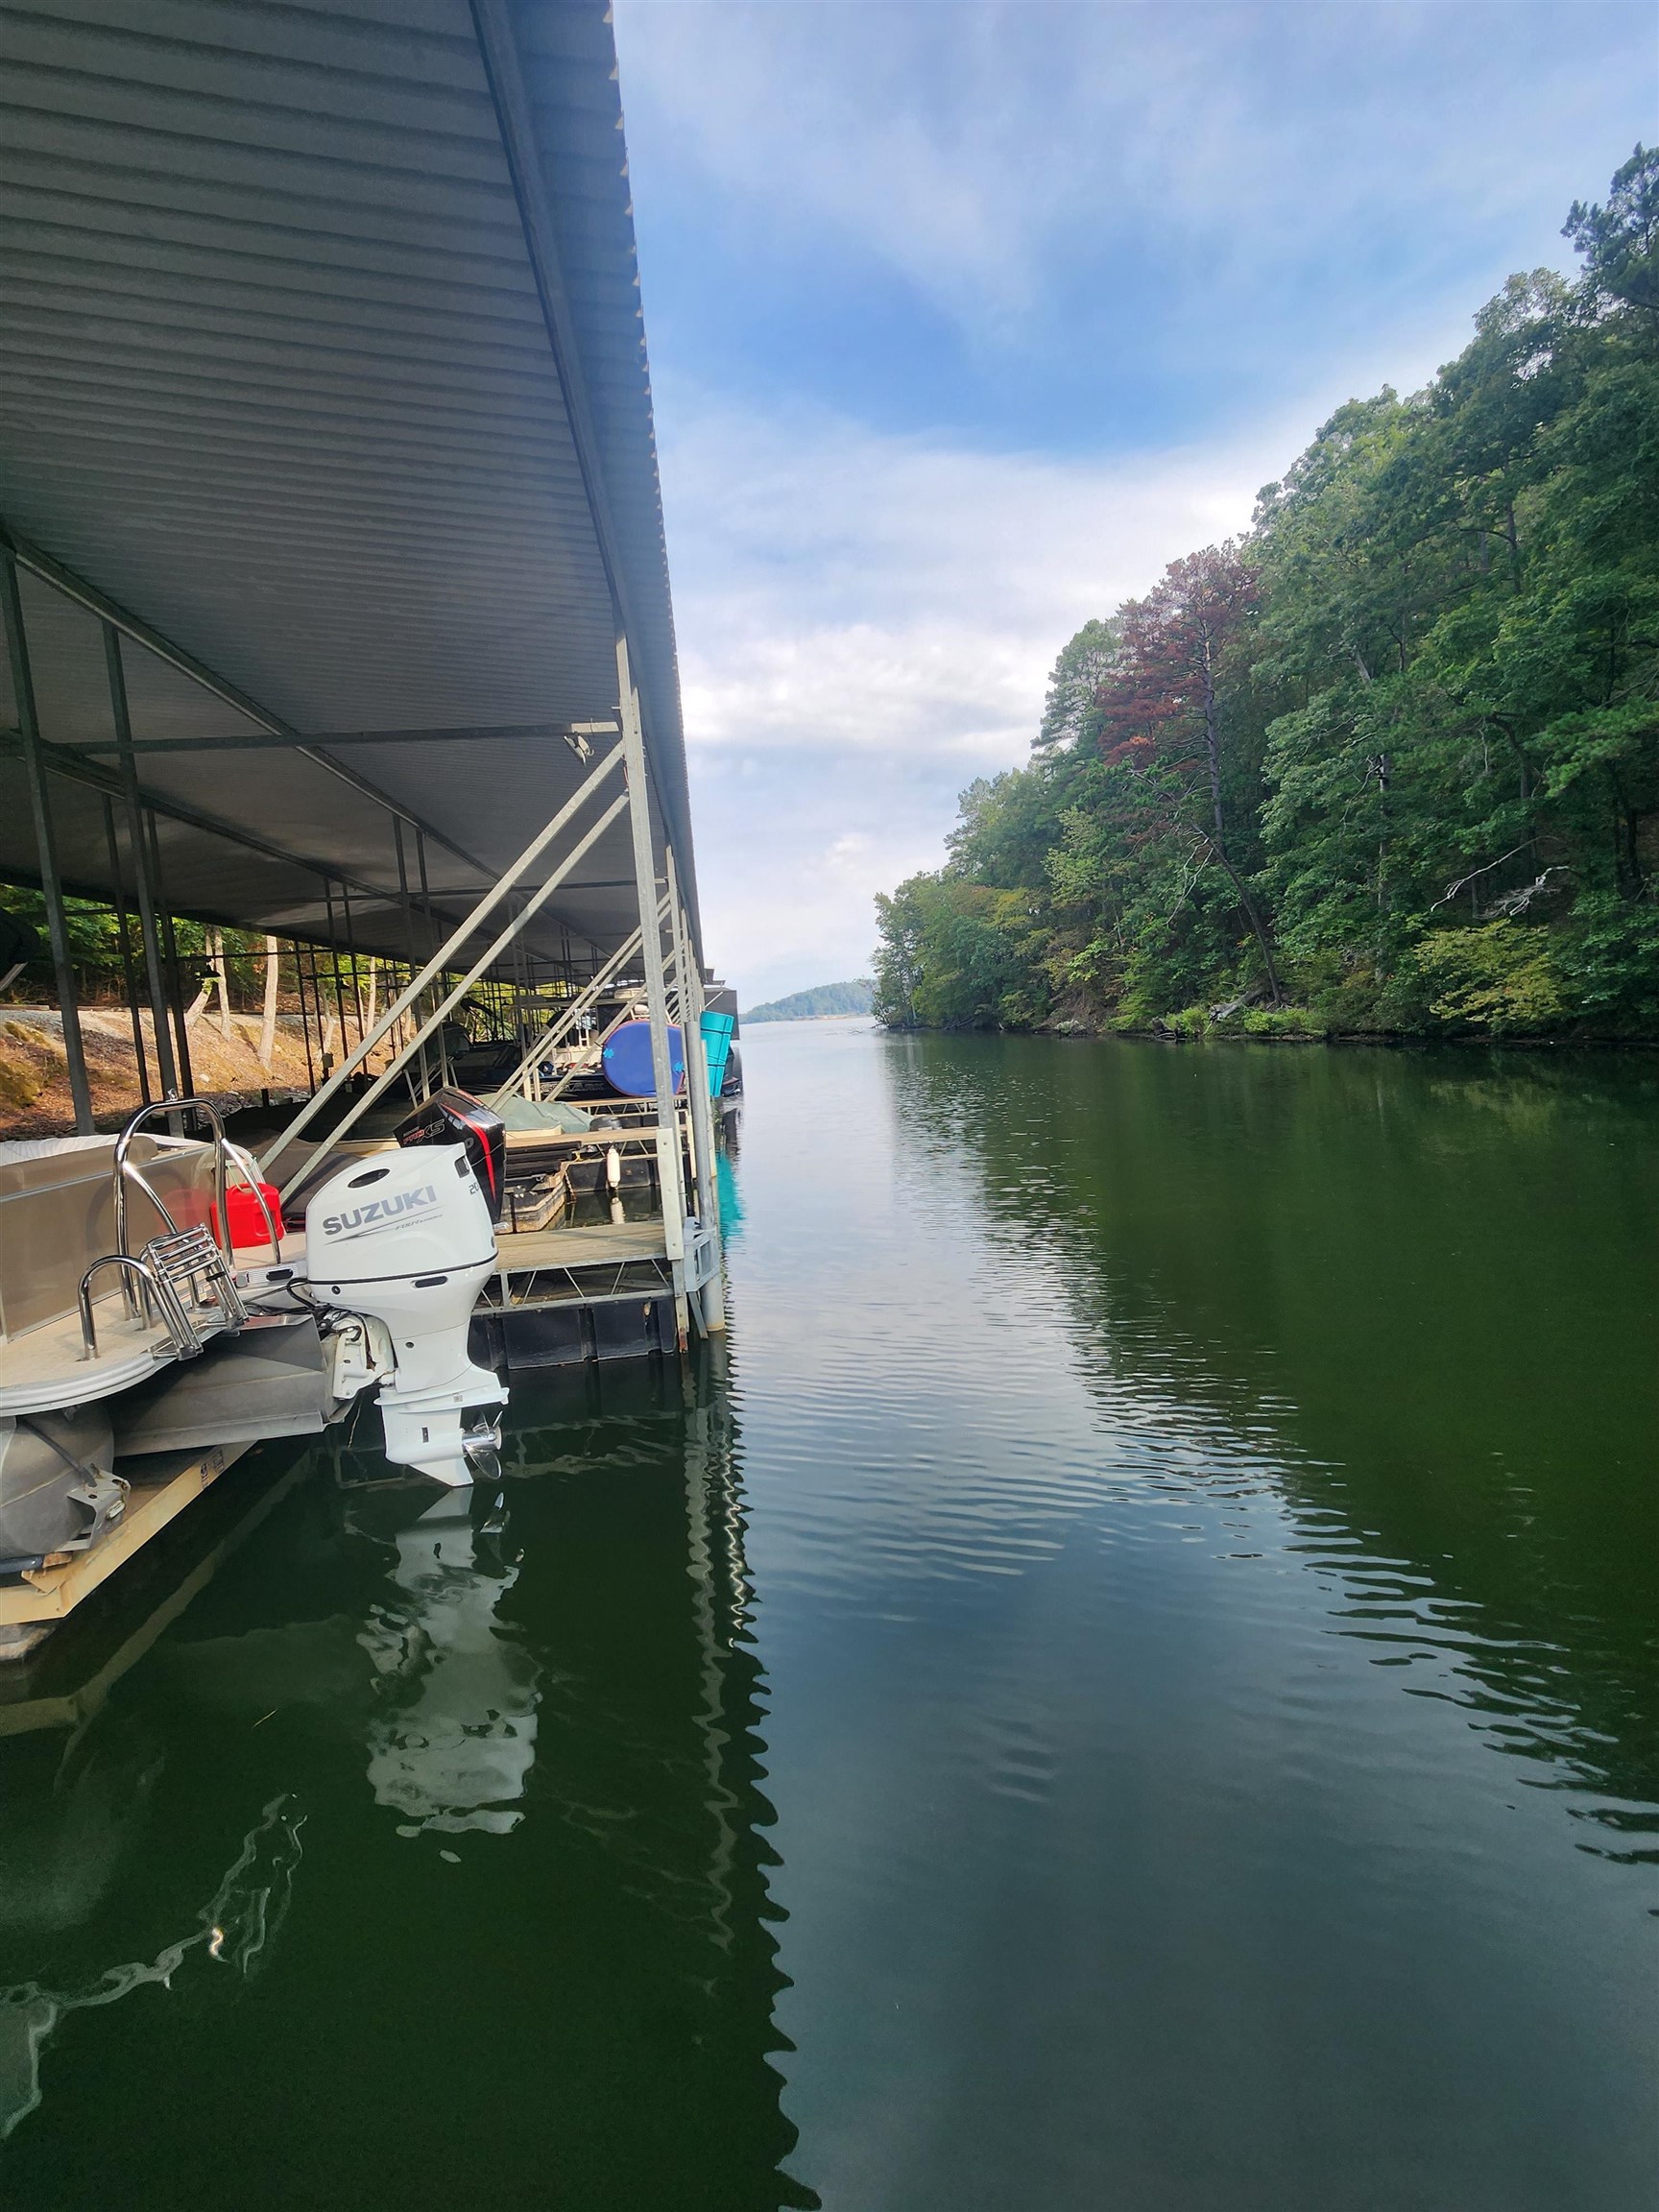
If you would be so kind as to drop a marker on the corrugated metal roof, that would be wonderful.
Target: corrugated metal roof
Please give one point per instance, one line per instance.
(321, 353)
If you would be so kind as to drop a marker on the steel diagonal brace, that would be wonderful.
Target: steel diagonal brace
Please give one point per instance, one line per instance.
(449, 948)
(446, 1006)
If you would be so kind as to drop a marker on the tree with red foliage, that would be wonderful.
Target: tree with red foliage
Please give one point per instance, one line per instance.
(1163, 706)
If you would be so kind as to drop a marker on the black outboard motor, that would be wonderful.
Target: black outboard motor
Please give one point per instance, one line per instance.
(457, 1117)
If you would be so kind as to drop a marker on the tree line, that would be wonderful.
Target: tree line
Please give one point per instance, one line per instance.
(1389, 762)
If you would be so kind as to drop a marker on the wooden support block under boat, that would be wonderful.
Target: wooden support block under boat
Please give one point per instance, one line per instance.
(161, 1489)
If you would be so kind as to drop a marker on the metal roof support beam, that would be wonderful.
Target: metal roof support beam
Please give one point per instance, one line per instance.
(448, 1004)
(145, 882)
(264, 741)
(668, 1167)
(71, 762)
(499, 49)
(448, 952)
(45, 845)
(67, 761)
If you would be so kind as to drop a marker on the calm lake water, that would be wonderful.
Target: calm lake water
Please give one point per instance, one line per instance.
(1139, 1689)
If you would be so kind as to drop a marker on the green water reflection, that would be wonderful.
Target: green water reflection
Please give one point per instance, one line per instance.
(1427, 1284)
(1136, 1685)
(417, 1855)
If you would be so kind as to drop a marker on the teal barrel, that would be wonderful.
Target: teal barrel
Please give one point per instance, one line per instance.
(717, 1031)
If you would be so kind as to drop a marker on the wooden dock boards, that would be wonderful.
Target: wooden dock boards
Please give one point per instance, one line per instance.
(595, 1244)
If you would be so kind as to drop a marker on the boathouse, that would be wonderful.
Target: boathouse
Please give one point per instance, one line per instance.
(334, 587)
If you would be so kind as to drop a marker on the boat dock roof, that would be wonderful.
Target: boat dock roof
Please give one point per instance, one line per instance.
(323, 383)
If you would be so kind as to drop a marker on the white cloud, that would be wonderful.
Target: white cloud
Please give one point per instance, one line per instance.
(833, 582)
(988, 154)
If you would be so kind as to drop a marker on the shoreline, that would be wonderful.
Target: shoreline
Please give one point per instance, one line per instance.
(1389, 1040)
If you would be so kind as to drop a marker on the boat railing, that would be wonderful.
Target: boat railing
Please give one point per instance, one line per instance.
(184, 1278)
(125, 1170)
(154, 1295)
(180, 1259)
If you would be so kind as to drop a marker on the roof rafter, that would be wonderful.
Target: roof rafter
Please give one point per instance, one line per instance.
(262, 741)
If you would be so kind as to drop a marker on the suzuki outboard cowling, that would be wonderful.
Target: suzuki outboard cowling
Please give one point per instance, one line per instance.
(406, 1239)
(454, 1117)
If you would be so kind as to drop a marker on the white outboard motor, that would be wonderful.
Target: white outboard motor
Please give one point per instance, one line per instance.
(406, 1238)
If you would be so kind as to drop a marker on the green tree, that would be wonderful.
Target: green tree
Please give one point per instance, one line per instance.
(1397, 754)
(1070, 712)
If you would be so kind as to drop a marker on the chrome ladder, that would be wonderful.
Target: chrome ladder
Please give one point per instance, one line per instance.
(185, 1278)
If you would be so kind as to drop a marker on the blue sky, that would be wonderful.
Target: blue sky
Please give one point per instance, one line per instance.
(964, 319)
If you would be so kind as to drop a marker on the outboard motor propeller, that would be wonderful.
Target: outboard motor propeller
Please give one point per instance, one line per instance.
(407, 1239)
(482, 1445)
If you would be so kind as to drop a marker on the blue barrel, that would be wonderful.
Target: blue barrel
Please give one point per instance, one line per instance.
(626, 1058)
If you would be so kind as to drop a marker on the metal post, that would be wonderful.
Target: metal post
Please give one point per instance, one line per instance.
(45, 844)
(170, 968)
(334, 965)
(176, 977)
(409, 932)
(442, 1048)
(690, 984)
(656, 992)
(128, 973)
(143, 869)
(351, 958)
(305, 1017)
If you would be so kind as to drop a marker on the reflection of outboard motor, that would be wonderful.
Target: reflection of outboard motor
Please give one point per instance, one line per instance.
(456, 1118)
(406, 1238)
(58, 1488)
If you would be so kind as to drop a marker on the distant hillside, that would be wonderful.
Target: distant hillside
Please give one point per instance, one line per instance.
(810, 1005)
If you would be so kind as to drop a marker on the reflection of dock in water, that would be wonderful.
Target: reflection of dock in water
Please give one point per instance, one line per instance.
(522, 1741)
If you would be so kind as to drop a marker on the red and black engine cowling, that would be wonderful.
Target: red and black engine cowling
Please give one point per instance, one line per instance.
(452, 1117)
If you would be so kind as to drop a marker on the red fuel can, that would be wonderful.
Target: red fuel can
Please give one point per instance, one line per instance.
(247, 1223)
